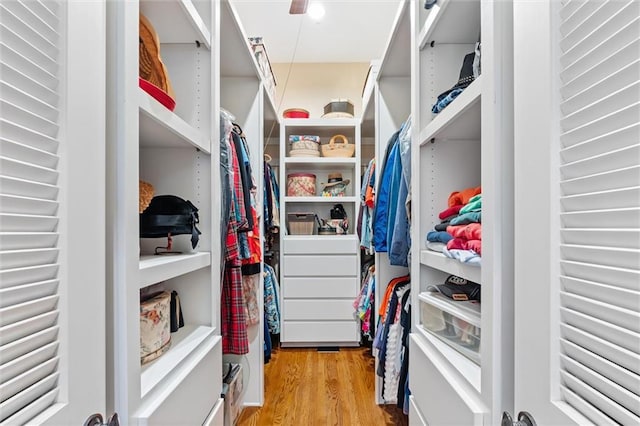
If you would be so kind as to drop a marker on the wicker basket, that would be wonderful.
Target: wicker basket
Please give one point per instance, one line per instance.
(301, 223)
(342, 149)
(301, 185)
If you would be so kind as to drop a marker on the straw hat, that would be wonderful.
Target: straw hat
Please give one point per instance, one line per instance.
(151, 67)
(146, 192)
(335, 179)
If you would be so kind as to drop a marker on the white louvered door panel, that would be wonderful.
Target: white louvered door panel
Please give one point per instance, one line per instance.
(38, 187)
(583, 323)
(600, 178)
(29, 192)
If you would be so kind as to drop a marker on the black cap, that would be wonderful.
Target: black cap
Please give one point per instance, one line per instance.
(458, 288)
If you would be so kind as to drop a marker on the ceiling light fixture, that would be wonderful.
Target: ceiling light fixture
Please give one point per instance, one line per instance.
(315, 11)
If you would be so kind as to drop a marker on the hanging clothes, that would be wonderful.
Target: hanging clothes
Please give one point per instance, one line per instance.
(365, 302)
(390, 335)
(243, 254)
(381, 212)
(367, 202)
(271, 300)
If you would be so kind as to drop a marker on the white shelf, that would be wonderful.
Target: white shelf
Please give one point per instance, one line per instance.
(451, 21)
(459, 120)
(469, 370)
(322, 163)
(316, 237)
(396, 61)
(321, 199)
(160, 127)
(176, 21)
(465, 310)
(451, 266)
(184, 343)
(236, 53)
(154, 269)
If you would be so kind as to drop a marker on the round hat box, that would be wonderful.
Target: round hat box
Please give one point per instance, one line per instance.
(301, 185)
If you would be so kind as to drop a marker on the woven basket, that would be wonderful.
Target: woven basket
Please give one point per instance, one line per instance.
(342, 149)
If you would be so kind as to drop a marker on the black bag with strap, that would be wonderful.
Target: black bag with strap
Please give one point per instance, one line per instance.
(170, 215)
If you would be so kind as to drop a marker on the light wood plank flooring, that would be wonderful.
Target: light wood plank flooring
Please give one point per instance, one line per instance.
(307, 387)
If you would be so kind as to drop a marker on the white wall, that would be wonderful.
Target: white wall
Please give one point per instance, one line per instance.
(313, 85)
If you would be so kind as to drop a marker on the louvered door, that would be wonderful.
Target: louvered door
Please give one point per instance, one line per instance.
(52, 303)
(577, 236)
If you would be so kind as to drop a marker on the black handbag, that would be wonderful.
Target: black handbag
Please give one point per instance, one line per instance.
(169, 215)
(338, 212)
(177, 320)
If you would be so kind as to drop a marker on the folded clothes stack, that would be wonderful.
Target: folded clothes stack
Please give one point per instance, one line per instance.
(459, 234)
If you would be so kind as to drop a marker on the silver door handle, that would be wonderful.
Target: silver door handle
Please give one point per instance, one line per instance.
(524, 419)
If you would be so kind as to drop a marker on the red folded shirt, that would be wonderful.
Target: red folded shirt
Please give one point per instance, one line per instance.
(454, 210)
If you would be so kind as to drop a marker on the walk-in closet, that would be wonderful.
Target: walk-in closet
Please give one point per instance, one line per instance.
(319, 212)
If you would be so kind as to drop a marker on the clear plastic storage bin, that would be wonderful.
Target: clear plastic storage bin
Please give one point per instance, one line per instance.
(457, 323)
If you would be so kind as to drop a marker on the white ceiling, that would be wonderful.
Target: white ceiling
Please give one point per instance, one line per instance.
(351, 30)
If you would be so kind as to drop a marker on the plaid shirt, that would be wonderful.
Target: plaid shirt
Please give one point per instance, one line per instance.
(234, 326)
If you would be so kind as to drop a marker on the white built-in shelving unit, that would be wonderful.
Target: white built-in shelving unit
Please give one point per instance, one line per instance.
(468, 144)
(177, 152)
(386, 106)
(319, 273)
(243, 94)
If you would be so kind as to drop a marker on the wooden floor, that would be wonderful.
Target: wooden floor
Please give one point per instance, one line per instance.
(307, 387)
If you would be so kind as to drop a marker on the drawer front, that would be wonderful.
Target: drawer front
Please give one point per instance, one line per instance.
(185, 402)
(318, 310)
(216, 416)
(319, 332)
(433, 390)
(321, 245)
(338, 287)
(320, 266)
(415, 416)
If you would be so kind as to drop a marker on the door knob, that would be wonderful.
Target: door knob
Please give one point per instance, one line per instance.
(524, 419)
(98, 420)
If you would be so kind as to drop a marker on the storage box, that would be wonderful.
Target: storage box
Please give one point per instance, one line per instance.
(232, 387)
(461, 331)
(260, 53)
(304, 146)
(155, 335)
(301, 223)
(301, 185)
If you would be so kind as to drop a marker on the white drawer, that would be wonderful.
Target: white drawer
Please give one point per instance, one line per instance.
(216, 416)
(320, 266)
(321, 245)
(433, 388)
(320, 287)
(320, 332)
(187, 398)
(318, 309)
(415, 416)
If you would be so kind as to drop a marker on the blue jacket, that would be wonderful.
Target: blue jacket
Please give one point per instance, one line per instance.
(381, 213)
(400, 235)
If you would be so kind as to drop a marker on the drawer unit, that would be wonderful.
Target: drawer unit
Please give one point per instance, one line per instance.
(439, 393)
(182, 400)
(320, 266)
(216, 416)
(415, 416)
(320, 332)
(321, 245)
(333, 287)
(318, 309)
